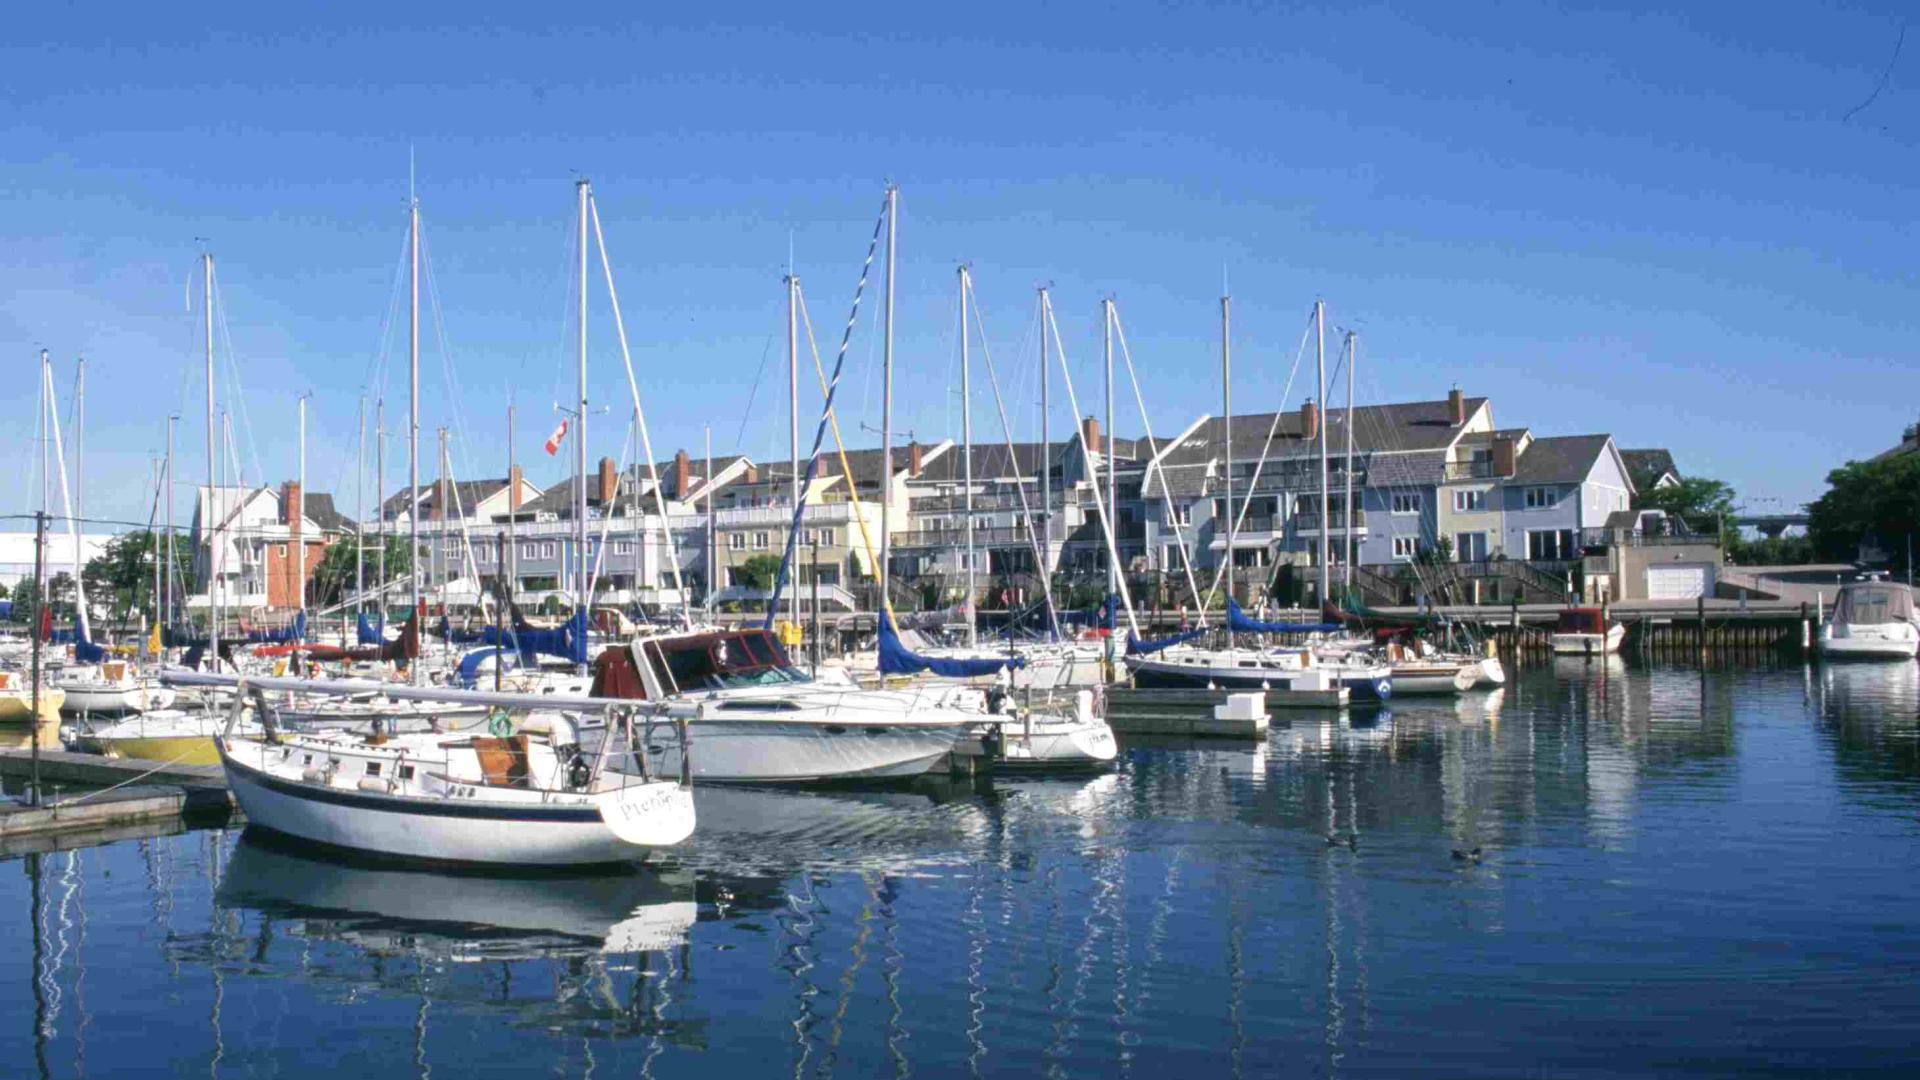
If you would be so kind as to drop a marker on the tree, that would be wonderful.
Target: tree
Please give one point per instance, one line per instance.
(1770, 551)
(60, 594)
(333, 577)
(757, 572)
(1702, 504)
(1871, 501)
(121, 577)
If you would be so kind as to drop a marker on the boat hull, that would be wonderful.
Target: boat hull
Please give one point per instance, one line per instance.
(454, 831)
(760, 751)
(1858, 646)
(116, 699)
(1056, 744)
(172, 749)
(17, 707)
(1589, 644)
(1434, 681)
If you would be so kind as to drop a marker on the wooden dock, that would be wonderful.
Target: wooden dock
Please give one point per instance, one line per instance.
(106, 793)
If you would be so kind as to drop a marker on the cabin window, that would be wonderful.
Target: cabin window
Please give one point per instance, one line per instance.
(1406, 503)
(1406, 547)
(406, 772)
(373, 768)
(306, 759)
(1542, 498)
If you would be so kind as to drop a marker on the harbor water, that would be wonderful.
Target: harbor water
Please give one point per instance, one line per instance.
(1600, 870)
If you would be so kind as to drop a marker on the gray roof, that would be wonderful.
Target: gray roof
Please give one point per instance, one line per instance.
(1418, 425)
(1406, 470)
(318, 508)
(1560, 459)
(558, 500)
(1646, 466)
(466, 495)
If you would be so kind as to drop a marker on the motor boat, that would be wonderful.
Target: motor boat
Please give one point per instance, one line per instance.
(1269, 670)
(524, 795)
(1586, 631)
(1871, 620)
(1030, 739)
(758, 719)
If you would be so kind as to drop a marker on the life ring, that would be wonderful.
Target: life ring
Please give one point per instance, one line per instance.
(499, 723)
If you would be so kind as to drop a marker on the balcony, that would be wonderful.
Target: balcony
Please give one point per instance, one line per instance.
(1310, 522)
(944, 538)
(1471, 470)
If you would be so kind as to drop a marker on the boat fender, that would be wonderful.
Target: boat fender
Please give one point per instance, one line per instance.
(313, 776)
(375, 783)
(499, 724)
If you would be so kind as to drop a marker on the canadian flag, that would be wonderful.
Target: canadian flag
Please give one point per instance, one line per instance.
(554, 440)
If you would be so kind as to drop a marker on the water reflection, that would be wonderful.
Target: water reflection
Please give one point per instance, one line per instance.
(1209, 907)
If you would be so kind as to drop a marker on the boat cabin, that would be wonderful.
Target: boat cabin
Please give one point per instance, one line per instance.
(1873, 604)
(1582, 620)
(663, 667)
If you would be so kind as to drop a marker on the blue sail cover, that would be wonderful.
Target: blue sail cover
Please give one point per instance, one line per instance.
(296, 631)
(86, 651)
(470, 663)
(897, 659)
(365, 632)
(568, 640)
(1238, 622)
(1143, 647)
(459, 637)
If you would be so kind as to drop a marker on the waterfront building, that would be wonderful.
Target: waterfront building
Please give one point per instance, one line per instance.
(246, 543)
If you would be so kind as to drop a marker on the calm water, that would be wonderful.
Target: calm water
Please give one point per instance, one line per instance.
(1680, 874)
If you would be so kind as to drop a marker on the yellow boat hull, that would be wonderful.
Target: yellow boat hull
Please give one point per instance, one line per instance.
(177, 749)
(16, 706)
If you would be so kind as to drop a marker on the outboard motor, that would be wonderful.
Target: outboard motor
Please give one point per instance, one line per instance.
(997, 698)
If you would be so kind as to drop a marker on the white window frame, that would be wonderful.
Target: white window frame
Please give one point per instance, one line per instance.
(1542, 498)
(1406, 503)
(1460, 549)
(1183, 513)
(623, 547)
(762, 541)
(1463, 498)
(736, 541)
(549, 550)
(1405, 548)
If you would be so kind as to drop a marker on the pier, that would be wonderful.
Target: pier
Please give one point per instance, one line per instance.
(106, 793)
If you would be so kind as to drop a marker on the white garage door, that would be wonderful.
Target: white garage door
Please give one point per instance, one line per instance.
(1679, 582)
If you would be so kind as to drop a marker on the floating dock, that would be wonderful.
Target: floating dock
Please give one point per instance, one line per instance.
(105, 793)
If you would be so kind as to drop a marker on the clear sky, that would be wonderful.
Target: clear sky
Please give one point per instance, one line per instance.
(1664, 226)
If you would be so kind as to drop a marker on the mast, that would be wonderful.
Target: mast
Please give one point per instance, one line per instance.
(1113, 483)
(966, 434)
(166, 582)
(1353, 352)
(413, 420)
(580, 444)
(793, 387)
(886, 408)
(1320, 363)
(633, 587)
(211, 523)
(297, 514)
(511, 565)
(380, 512)
(1046, 462)
(713, 553)
(79, 446)
(1226, 421)
(360, 514)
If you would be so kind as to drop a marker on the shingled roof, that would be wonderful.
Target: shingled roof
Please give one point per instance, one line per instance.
(1646, 467)
(1400, 428)
(1560, 459)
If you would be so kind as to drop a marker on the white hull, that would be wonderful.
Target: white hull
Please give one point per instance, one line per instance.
(1590, 644)
(1426, 680)
(81, 698)
(1490, 672)
(472, 831)
(1056, 743)
(1858, 646)
(780, 752)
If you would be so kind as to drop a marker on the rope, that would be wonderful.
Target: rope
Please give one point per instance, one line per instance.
(76, 801)
(1019, 487)
(1153, 447)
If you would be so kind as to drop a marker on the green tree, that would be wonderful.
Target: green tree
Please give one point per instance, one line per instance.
(60, 594)
(334, 576)
(1703, 504)
(757, 572)
(1867, 500)
(1771, 551)
(121, 577)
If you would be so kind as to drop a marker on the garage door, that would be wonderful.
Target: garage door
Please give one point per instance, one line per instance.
(1683, 582)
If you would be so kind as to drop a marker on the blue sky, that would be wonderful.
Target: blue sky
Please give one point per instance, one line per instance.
(1604, 218)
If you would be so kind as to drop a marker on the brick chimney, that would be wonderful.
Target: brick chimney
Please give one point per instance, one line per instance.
(913, 458)
(513, 489)
(1090, 430)
(290, 504)
(291, 515)
(681, 469)
(1503, 456)
(1456, 407)
(1309, 420)
(607, 483)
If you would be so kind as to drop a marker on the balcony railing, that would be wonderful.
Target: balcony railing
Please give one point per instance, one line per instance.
(1310, 522)
(982, 537)
(1470, 470)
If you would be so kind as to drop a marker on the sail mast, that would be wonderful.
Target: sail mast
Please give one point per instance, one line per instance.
(966, 434)
(1353, 353)
(793, 412)
(1226, 421)
(212, 522)
(1113, 484)
(580, 443)
(1320, 362)
(166, 582)
(1045, 568)
(297, 515)
(413, 421)
(886, 408)
(360, 513)
(510, 566)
